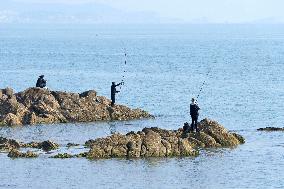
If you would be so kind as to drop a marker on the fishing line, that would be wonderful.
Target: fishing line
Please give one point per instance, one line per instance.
(124, 66)
(203, 84)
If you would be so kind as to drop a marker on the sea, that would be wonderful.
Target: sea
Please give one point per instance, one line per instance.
(236, 70)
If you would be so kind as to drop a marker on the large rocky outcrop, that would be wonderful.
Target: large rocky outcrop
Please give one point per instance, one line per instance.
(150, 142)
(155, 142)
(36, 106)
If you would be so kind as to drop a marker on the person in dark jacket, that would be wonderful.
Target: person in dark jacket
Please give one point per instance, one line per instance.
(41, 82)
(113, 92)
(194, 108)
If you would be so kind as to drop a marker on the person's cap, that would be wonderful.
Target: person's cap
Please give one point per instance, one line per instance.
(192, 99)
(41, 76)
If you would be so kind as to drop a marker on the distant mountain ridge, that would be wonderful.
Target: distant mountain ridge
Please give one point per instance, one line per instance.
(19, 12)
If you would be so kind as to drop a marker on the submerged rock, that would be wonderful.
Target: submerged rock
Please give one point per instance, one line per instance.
(156, 142)
(37, 106)
(271, 129)
(14, 153)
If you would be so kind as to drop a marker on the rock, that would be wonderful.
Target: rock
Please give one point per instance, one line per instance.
(271, 129)
(31, 145)
(62, 156)
(84, 154)
(69, 145)
(45, 145)
(48, 145)
(12, 120)
(186, 149)
(89, 94)
(11, 111)
(8, 144)
(152, 142)
(239, 137)
(14, 153)
(205, 140)
(42, 106)
(156, 142)
(89, 143)
(218, 132)
(8, 92)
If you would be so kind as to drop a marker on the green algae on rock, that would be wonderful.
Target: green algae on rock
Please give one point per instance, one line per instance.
(42, 106)
(156, 142)
(63, 156)
(66, 155)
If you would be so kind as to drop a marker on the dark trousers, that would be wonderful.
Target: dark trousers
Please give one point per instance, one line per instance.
(194, 123)
(112, 101)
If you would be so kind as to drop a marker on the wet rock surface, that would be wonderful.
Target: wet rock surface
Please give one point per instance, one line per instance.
(271, 129)
(156, 142)
(42, 106)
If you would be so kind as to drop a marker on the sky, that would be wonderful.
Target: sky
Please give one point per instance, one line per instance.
(141, 11)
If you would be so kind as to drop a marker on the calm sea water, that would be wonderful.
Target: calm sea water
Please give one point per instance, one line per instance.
(166, 66)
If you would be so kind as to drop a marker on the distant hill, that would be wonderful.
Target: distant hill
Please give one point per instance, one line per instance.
(19, 12)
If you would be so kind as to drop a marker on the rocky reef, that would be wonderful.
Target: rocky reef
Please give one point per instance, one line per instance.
(155, 142)
(42, 106)
(150, 142)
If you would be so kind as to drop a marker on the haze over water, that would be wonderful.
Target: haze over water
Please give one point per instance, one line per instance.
(166, 66)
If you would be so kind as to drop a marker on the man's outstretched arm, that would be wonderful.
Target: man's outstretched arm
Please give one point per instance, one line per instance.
(119, 84)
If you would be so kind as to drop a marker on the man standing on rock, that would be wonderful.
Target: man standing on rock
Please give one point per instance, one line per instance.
(194, 108)
(41, 82)
(114, 91)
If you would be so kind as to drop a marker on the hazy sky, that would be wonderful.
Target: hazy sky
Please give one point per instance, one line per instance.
(193, 11)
